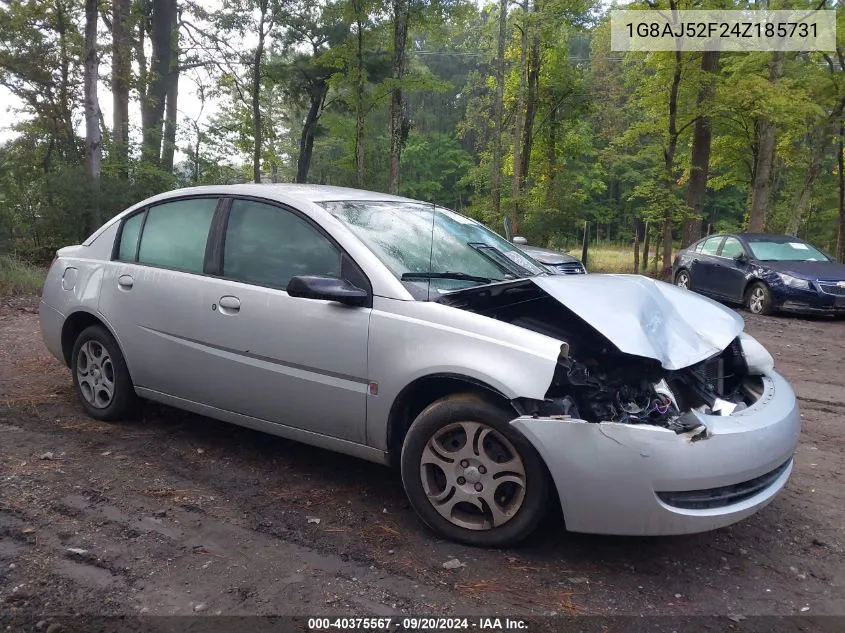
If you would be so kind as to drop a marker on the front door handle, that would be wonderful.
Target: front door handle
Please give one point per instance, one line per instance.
(125, 281)
(230, 303)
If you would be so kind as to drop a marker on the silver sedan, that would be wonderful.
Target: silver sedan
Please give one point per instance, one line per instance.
(406, 334)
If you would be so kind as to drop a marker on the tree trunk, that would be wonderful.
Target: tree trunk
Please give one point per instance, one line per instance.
(121, 71)
(820, 141)
(498, 110)
(93, 134)
(700, 154)
(585, 243)
(66, 139)
(516, 187)
(646, 237)
(840, 237)
(669, 166)
(306, 141)
(636, 246)
(171, 110)
(397, 106)
(257, 58)
(152, 109)
(531, 101)
(140, 49)
(359, 97)
(764, 160)
(551, 155)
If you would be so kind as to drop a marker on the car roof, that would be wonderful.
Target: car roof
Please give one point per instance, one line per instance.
(755, 237)
(283, 191)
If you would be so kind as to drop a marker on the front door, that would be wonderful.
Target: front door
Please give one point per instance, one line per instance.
(703, 269)
(731, 276)
(293, 361)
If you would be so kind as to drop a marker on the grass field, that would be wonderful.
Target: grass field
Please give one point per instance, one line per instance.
(614, 258)
(19, 278)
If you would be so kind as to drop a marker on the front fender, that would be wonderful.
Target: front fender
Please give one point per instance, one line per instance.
(413, 339)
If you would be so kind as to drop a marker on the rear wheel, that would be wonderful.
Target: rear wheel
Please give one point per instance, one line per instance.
(758, 298)
(682, 279)
(470, 476)
(100, 376)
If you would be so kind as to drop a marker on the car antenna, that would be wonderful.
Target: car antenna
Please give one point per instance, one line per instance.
(431, 252)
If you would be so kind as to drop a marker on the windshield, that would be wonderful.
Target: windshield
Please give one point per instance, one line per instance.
(414, 239)
(785, 251)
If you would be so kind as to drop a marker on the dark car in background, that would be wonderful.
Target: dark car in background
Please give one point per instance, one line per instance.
(766, 273)
(560, 263)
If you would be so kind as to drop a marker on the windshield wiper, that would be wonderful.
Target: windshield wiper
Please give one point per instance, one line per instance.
(448, 275)
(501, 261)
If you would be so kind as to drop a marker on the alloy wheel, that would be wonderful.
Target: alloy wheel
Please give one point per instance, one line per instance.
(682, 281)
(95, 373)
(756, 300)
(473, 476)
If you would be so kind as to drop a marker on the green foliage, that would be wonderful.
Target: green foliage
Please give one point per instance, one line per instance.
(600, 133)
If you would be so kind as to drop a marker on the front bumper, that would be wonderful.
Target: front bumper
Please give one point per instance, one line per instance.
(810, 301)
(608, 475)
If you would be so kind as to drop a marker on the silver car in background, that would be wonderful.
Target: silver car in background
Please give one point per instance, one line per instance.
(558, 262)
(406, 334)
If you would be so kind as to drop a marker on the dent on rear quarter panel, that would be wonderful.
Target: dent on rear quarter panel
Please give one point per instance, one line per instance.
(413, 339)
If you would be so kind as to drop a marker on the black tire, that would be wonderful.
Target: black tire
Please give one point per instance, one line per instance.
(124, 401)
(758, 299)
(683, 273)
(474, 408)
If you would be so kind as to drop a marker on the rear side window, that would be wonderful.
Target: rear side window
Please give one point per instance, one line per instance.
(129, 235)
(711, 245)
(267, 245)
(175, 234)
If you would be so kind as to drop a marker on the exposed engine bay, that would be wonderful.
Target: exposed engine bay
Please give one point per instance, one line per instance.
(596, 382)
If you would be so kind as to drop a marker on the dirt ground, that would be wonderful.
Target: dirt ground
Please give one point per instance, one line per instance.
(180, 514)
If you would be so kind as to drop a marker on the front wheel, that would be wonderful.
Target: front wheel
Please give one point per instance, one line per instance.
(682, 279)
(470, 476)
(758, 299)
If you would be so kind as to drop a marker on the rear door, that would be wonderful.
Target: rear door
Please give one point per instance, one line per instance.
(153, 294)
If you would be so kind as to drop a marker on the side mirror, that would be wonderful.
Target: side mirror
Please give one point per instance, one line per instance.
(521, 241)
(741, 258)
(328, 289)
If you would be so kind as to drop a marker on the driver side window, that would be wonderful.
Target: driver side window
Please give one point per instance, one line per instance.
(731, 248)
(267, 245)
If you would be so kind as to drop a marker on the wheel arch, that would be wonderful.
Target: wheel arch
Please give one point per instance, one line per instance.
(423, 391)
(750, 282)
(73, 326)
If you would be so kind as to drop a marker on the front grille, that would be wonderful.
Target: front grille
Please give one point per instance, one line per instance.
(724, 495)
(830, 287)
(569, 268)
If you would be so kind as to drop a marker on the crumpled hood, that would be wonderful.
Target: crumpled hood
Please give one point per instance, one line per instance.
(648, 318)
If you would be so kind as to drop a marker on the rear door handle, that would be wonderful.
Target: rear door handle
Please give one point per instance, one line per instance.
(230, 303)
(125, 281)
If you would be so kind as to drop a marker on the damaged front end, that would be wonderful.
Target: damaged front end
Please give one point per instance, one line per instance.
(615, 387)
(634, 351)
(646, 373)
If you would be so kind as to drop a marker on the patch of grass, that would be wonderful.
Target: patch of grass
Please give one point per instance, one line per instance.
(612, 258)
(19, 278)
